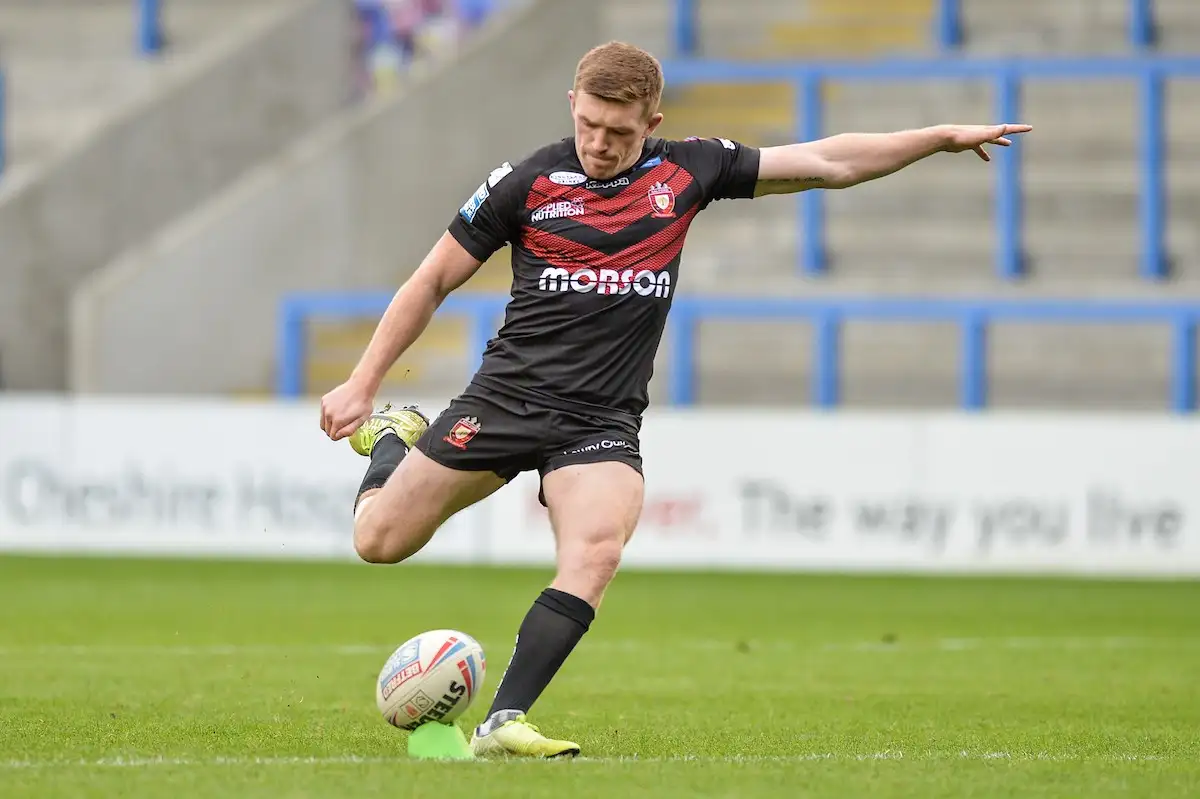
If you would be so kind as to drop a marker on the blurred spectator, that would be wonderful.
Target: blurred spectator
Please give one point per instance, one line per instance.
(395, 33)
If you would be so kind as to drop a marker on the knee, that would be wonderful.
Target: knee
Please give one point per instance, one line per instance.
(375, 542)
(595, 562)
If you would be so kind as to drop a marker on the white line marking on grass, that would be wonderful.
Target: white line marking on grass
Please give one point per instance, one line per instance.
(839, 757)
(185, 650)
(148, 762)
(1049, 643)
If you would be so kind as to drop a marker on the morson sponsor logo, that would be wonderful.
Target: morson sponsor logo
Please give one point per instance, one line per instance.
(607, 281)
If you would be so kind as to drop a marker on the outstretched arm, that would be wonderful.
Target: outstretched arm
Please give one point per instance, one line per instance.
(447, 267)
(845, 160)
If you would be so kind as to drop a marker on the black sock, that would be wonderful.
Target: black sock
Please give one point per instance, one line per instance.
(551, 629)
(385, 457)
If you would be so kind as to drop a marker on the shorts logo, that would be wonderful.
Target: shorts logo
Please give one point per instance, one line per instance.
(662, 199)
(600, 446)
(463, 431)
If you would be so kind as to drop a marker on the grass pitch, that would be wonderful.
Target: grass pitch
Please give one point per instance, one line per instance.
(152, 678)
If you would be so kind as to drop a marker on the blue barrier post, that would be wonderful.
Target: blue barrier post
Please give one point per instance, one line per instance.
(1010, 255)
(1153, 195)
(972, 377)
(1142, 31)
(810, 110)
(149, 22)
(826, 381)
(681, 366)
(3, 125)
(686, 40)
(1183, 360)
(948, 24)
(292, 349)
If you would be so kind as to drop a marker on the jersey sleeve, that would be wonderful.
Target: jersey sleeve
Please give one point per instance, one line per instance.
(728, 169)
(487, 220)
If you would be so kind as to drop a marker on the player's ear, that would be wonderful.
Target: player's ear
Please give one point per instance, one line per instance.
(571, 98)
(655, 121)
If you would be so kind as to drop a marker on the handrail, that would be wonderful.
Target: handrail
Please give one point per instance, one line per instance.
(973, 315)
(947, 25)
(1008, 74)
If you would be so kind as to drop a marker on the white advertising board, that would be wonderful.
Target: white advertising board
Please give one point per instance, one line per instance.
(182, 477)
(791, 490)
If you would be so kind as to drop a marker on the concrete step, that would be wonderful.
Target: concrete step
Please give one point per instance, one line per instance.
(1065, 26)
(1042, 203)
(841, 37)
(934, 236)
(644, 23)
(1178, 25)
(69, 64)
(788, 282)
(1065, 13)
(1062, 112)
(107, 28)
(917, 364)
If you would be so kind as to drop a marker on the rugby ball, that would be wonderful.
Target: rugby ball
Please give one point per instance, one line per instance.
(432, 677)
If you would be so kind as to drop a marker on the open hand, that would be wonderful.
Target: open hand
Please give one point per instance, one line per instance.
(960, 138)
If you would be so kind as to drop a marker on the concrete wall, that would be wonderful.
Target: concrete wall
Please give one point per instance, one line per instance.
(358, 204)
(244, 98)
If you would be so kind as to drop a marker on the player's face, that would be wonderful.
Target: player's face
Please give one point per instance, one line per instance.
(609, 136)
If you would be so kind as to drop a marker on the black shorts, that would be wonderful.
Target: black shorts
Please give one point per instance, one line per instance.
(486, 431)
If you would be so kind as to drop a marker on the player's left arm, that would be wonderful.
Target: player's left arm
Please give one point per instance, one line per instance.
(848, 159)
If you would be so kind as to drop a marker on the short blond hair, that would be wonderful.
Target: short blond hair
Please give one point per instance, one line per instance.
(621, 73)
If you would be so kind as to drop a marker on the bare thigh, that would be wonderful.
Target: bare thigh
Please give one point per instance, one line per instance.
(594, 509)
(417, 499)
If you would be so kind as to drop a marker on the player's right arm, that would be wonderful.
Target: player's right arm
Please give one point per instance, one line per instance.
(445, 268)
(481, 227)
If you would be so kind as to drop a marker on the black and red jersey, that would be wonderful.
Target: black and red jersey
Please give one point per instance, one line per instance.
(595, 264)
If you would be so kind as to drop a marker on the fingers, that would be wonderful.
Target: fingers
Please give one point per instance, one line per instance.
(982, 153)
(345, 430)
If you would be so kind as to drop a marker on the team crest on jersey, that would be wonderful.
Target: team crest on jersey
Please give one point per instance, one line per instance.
(662, 200)
(463, 431)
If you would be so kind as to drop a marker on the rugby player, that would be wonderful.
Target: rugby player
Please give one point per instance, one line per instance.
(597, 224)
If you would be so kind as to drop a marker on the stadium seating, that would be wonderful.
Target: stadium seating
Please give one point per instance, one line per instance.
(110, 143)
(69, 64)
(930, 230)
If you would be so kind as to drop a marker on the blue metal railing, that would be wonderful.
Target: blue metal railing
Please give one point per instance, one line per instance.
(149, 26)
(947, 25)
(1007, 75)
(973, 316)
